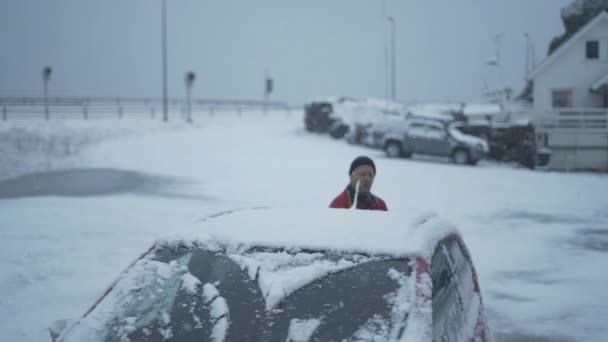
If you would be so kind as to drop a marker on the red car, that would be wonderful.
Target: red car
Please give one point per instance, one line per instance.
(295, 275)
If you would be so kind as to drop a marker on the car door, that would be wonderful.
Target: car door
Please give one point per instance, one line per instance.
(415, 138)
(468, 287)
(456, 300)
(448, 315)
(436, 139)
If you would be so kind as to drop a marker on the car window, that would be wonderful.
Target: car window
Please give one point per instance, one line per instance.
(344, 306)
(195, 294)
(464, 274)
(448, 316)
(435, 127)
(416, 129)
(194, 312)
(435, 132)
(418, 125)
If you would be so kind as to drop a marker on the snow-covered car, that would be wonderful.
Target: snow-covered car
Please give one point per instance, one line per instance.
(295, 275)
(318, 116)
(343, 116)
(511, 141)
(431, 137)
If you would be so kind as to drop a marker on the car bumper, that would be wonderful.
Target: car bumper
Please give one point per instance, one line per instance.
(477, 154)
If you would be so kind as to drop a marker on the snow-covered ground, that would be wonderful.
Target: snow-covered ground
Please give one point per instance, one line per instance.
(539, 239)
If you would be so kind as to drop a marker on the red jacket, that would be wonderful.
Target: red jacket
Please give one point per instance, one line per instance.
(366, 201)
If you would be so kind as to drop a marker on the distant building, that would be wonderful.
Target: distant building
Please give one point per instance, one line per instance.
(576, 74)
(570, 108)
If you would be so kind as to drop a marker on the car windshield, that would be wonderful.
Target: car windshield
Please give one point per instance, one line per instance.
(194, 294)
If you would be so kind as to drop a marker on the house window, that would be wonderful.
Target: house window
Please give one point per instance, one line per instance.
(593, 49)
(561, 98)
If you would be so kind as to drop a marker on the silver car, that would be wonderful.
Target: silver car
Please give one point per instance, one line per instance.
(431, 137)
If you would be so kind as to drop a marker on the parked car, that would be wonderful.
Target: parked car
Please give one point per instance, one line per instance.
(295, 275)
(318, 116)
(347, 117)
(430, 137)
(358, 134)
(511, 142)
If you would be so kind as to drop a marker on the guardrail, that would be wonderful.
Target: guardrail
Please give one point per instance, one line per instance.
(28, 107)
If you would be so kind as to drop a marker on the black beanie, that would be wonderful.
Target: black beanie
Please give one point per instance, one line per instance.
(361, 160)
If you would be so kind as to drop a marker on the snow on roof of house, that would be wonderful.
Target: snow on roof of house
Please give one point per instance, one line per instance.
(564, 47)
(372, 232)
(578, 7)
(599, 83)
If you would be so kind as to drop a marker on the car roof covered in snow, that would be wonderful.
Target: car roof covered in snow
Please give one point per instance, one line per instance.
(371, 232)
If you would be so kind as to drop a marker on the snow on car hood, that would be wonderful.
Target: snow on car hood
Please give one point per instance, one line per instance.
(469, 139)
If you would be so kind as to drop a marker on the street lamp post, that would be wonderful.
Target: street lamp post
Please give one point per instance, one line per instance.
(164, 58)
(530, 57)
(46, 76)
(391, 20)
(189, 79)
(268, 87)
(387, 84)
(385, 52)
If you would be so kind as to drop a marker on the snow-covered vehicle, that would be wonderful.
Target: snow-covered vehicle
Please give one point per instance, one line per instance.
(429, 137)
(318, 116)
(511, 141)
(295, 275)
(343, 116)
(321, 116)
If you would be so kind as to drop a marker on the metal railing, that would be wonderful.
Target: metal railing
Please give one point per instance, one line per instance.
(571, 118)
(29, 107)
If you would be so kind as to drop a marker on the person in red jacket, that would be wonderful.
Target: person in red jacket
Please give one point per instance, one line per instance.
(362, 172)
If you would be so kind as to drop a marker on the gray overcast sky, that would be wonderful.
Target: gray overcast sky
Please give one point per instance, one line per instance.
(310, 47)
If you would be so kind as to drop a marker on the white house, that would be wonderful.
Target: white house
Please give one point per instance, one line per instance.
(576, 74)
(570, 107)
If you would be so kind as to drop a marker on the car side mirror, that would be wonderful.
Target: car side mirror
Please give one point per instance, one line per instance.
(58, 326)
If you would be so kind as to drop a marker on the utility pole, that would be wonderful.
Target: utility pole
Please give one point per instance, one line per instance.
(46, 76)
(189, 79)
(530, 56)
(268, 87)
(385, 52)
(164, 59)
(527, 70)
(391, 20)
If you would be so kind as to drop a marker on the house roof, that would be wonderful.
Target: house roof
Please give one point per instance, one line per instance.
(364, 231)
(599, 83)
(572, 41)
